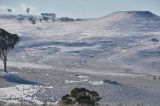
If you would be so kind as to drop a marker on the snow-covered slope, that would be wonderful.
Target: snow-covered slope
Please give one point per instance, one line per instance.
(138, 21)
(116, 24)
(118, 39)
(117, 44)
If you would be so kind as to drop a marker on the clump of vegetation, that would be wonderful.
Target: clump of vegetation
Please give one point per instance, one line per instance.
(81, 96)
(66, 19)
(155, 41)
(32, 20)
(47, 16)
(9, 10)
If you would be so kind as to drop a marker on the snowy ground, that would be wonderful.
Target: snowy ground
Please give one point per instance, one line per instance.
(48, 60)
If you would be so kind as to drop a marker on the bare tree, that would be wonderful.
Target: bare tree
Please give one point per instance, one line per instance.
(7, 43)
(21, 19)
(28, 10)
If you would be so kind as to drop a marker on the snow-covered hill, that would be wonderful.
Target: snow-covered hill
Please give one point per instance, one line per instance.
(117, 24)
(67, 44)
(81, 44)
(117, 44)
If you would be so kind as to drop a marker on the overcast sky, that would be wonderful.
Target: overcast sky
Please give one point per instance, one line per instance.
(79, 8)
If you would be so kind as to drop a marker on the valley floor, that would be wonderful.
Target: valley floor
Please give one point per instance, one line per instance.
(26, 85)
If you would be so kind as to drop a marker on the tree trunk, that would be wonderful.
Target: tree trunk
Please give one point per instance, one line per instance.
(5, 61)
(5, 65)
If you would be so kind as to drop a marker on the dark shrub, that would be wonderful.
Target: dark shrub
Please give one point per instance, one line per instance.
(67, 99)
(81, 96)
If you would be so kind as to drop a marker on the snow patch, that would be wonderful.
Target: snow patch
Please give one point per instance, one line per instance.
(71, 81)
(20, 93)
(96, 82)
(82, 77)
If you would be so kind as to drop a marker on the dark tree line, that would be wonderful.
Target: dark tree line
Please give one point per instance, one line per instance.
(7, 43)
(47, 16)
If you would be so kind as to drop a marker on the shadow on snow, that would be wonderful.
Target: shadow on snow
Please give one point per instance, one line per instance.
(16, 79)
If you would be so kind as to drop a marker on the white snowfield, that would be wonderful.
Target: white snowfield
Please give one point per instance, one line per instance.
(20, 92)
(116, 45)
